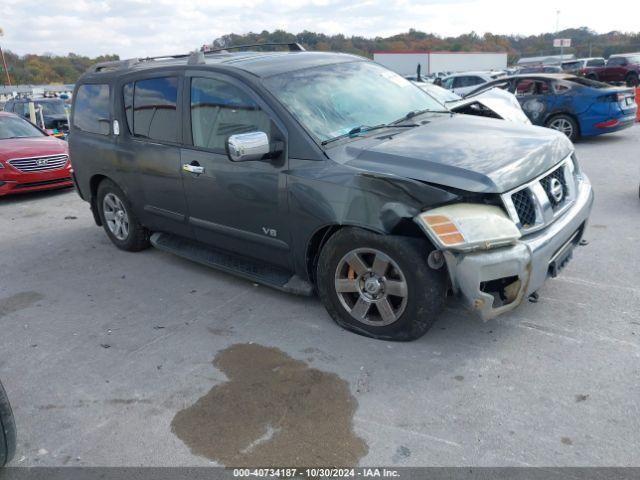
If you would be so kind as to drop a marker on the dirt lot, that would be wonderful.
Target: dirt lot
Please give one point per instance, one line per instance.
(113, 358)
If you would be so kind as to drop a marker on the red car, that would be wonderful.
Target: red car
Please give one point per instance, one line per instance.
(30, 159)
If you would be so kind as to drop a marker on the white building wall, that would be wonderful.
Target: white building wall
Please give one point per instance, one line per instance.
(406, 63)
(460, 62)
(403, 63)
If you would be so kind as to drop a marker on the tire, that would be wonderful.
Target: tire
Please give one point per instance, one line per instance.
(565, 124)
(7, 429)
(632, 80)
(118, 220)
(592, 76)
(365, 288)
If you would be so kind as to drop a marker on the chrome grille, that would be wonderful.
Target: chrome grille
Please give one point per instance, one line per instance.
(525, 207)
(39, 164)
(538, 203)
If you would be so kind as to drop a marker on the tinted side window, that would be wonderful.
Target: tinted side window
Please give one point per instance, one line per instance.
(616, 61)
(91, 109)
(595, 63)
(219, 110)
(154, 109)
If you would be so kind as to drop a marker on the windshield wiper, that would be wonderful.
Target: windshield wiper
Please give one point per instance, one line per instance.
(364, 129)
(415, 113)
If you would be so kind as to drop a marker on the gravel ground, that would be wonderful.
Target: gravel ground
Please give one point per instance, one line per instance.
(104, 354)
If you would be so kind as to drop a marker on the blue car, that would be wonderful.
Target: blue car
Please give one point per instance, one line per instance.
(576, 106)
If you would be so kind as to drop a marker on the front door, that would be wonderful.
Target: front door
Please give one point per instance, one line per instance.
(237, 206)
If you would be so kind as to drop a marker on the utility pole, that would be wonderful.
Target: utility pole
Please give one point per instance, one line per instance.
(4, 62)
(557, 27)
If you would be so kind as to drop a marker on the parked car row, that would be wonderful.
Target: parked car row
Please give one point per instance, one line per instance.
(618, 69)
(48, 113)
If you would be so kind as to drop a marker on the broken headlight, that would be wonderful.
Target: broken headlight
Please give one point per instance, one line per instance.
(468, 226)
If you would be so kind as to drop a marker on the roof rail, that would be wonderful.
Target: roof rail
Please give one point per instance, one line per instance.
(194, 58)
(293, 47)
(113, 65)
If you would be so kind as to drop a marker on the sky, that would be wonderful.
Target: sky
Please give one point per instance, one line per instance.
(135, 28)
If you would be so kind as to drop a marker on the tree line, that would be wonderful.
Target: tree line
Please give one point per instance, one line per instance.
(52, 69)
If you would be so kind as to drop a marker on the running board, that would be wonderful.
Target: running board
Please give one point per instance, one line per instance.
(254, 270)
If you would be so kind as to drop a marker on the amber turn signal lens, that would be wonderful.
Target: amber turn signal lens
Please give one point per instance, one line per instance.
(444, 229)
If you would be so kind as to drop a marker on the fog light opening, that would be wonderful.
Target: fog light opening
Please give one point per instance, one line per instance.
(503, 290)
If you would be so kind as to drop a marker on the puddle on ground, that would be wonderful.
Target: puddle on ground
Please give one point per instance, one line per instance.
(273, 411)
(18, 302)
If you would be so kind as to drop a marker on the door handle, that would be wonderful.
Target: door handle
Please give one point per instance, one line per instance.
(197, 169)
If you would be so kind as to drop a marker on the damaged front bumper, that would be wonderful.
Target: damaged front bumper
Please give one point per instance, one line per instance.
(496, 281)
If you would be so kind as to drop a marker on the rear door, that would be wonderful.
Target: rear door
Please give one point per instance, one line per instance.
(237, 206)
(149, 150)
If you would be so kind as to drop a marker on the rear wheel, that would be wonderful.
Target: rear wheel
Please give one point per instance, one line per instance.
(7, 429)
(632, 80)
(564, 124)
(380, 286)
(119, 221)
(592, 76)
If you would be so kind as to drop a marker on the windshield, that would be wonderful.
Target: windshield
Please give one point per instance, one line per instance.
(15, 127)
(52, 108)
(332, 100)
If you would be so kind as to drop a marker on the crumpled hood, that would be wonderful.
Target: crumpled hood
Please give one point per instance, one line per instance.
(460, 151)
(500, 101)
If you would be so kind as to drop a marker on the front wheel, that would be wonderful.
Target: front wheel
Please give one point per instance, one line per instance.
(380, 286)
(632, 80)
(7, 429)
(564, 124)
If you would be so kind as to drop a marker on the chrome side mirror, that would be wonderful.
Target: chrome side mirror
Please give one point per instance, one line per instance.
(247, 146)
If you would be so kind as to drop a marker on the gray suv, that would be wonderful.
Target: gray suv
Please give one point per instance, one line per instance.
(326, 173)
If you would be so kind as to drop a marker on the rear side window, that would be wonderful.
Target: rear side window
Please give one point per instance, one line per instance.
(150, 108)
(595, 63)
(616, 61)
(91, 109)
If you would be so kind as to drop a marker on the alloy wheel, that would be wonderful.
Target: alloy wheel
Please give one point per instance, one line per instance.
(115, 214)
(562, 125)
(371, 287)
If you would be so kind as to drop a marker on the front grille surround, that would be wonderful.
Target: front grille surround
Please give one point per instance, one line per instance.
(39, 164)
(532, 206)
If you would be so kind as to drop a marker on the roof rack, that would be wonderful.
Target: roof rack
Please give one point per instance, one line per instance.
(194, 58)
(293, 47)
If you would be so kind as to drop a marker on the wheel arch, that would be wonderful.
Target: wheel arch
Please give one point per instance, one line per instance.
(406, 227)
(557, 113)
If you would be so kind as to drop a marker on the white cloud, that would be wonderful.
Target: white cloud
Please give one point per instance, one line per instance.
(154, 27)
